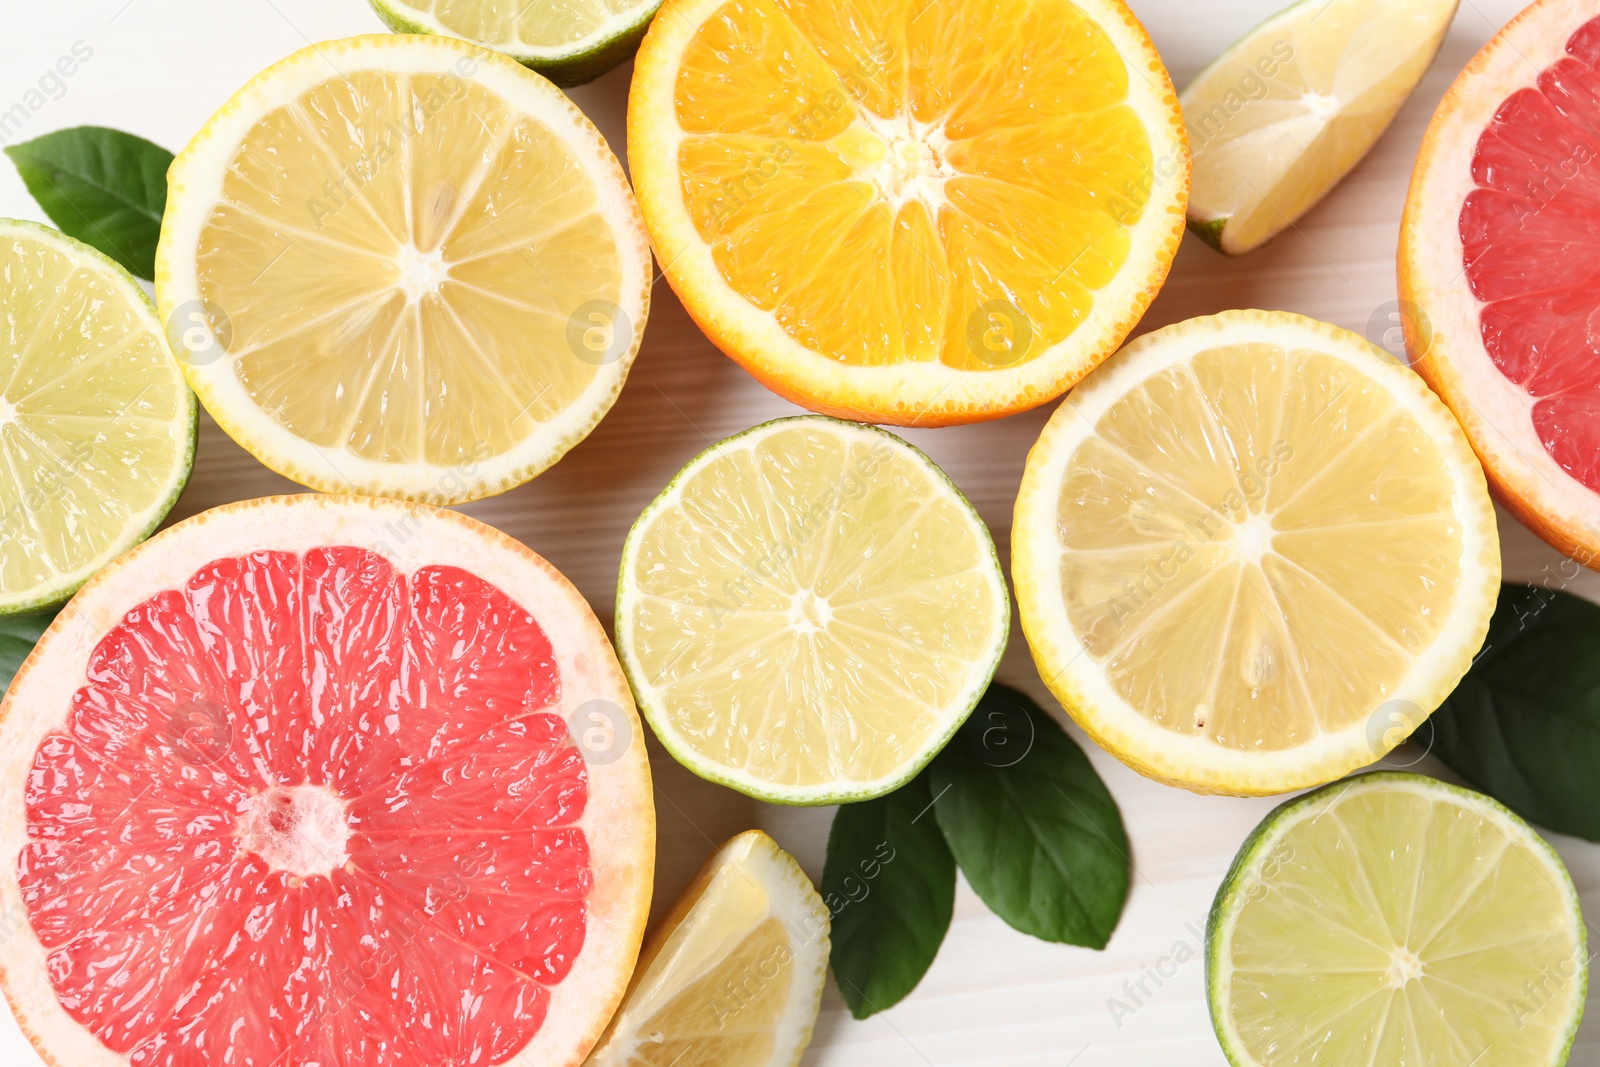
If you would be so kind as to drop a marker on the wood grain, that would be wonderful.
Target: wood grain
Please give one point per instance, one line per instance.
(993, 997)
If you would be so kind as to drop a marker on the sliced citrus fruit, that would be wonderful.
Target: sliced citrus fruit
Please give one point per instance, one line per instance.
(1252, 553)
(909, 212)
(568, 41)
(294, 782)
(1284, 114)
(733, 976)
(404, 266)
(809, 611)
(1394, 919)
(1497, 267)
(97, 426)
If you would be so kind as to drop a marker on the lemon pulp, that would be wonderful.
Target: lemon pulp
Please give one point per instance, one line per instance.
(1257, 545)
(734, 976)
(394, 263)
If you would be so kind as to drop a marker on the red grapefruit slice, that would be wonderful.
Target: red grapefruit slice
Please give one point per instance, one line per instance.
(1500, 266)
(293, 783)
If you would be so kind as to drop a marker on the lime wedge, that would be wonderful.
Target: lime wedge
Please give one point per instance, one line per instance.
(1285, 113)
(568, 41)
(97, 428)
(809, 610)
(1394, 919)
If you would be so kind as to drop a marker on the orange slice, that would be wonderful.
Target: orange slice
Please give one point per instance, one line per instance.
(908, 212)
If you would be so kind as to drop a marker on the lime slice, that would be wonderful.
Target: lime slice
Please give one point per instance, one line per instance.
(733, 975)
(1282, 116)
(809, 610)
(97, 427)
(1394, 919)
(568, 41)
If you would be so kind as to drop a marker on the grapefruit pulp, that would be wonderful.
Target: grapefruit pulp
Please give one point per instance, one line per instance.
(293, 783)
(1498, 266)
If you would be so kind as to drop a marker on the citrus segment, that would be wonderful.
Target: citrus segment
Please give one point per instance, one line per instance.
(1495, 266)
(568, 41)
(97, 426)
(1241, 539)
(733, 976)
(1010, 176)
(316, 801)
(809, 610)
(423, 277)
(1290, 109)
(1395, 919)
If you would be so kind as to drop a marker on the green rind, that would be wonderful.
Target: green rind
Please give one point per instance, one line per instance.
(1250, 852)
(1210, 231)
(710, 773)
(584, 62)
(54, 599)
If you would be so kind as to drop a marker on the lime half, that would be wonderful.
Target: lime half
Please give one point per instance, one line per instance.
(809, 610)
(97, 428)
(1394, 919)
(568, 41)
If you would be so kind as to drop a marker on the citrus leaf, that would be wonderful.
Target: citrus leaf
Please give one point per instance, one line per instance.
(890, 884)
(104, 187)
(1524, 724)
(1033, 827)
(18, 635)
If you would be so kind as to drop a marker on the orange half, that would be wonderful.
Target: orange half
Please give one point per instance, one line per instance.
(908, 212)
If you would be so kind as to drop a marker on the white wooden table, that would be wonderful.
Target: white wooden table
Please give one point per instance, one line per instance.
(994, 997)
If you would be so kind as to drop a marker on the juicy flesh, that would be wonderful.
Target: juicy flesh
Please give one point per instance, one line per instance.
(309, 810)
(810, 608)
(903, 181)
(1530, 230)
(395, 265)
(91, 416)
(539, 23)
(1286, 114)
(1397, 928)
(1256, 546)
(720, 984)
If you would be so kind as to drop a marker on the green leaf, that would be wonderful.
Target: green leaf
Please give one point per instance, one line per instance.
(104, 187)
(1524, 724)
(890, 883)
(1034, 828)
(18, 635)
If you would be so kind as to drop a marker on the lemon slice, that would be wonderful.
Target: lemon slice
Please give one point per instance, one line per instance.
(1394, 919)
(1282, 116)
(909, 212)
(97, 427)
(1252, 553)
(568, 41)
(733, 975)
(403, 266)
(809, 611)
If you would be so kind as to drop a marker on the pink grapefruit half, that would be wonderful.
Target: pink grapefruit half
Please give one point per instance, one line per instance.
(1500, 267)
(293, 783)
